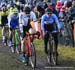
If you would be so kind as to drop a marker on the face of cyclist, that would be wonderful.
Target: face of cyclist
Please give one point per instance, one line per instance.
(49, 14)
(15, 14)
(27, 14)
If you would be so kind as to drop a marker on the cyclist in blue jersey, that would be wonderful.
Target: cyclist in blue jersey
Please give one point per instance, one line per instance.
(13, 23)
(49, 22)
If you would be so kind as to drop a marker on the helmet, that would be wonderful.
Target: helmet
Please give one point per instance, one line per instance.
(4, 9)
(50, 5)
(58, 5)
(48, 10)
(3, 4)
(62, 9)
(15, 10)
(27, 9)
(68, 4)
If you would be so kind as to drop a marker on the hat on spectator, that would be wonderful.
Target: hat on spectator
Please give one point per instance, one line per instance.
(62, 9)
(58, 5)
(50, 5)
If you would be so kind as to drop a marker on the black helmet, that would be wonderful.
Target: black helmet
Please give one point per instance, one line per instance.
(4, 9)
(68, 4)
(27, 9)
(48, 10)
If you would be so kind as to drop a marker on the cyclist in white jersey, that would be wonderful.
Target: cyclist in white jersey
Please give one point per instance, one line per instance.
(24, 21)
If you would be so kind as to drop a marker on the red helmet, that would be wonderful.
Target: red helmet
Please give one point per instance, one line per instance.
(58, 5)
(62, 9)
(50, 7)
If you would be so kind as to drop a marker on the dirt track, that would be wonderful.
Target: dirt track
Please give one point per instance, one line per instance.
(9, 61)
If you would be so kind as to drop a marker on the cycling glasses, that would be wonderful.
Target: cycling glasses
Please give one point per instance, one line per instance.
(49, 13)
(27, 12)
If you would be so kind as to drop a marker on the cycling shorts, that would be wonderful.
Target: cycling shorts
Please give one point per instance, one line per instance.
(25, 29)
(50, 27)
(4, 20)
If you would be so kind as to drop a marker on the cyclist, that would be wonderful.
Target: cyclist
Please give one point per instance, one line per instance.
(24, 20)
(13, 23)
(48, 22)
(4, 20)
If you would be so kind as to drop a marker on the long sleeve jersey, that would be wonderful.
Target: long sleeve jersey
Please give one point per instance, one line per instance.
(13, 21)
(49, 20)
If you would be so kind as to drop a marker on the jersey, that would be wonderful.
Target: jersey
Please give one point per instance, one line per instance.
(13, 21)
(49, 21)
(4, 17)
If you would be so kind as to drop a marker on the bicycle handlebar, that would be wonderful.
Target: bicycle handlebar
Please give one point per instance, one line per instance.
(53, 32)
(37, 33)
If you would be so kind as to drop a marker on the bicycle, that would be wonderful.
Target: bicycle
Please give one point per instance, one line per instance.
(30, 50)
(16, 41)
(52, 51)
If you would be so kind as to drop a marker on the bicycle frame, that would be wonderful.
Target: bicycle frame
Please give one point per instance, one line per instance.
(27, 46)
(30, 49)
(16, 39)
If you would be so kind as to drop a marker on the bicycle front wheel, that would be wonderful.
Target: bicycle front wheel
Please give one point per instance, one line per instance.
(54, 53)
(33, 56)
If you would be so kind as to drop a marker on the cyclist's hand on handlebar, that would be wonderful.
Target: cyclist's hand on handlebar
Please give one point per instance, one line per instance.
(43, 33)
(59, 30)
(17, 27)
(27, 33)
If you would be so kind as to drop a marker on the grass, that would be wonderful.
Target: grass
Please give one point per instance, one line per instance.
(0, 33)
(66, 53)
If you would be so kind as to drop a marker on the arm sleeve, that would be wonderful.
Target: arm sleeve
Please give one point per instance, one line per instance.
(9, 19)
(42, 23)
(33, 16)
(57, 22)
(20, 18)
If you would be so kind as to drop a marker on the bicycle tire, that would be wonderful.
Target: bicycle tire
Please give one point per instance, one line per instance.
(18, 42)
(33, 56)
(15, 41)
(49, 52)
(52, 51)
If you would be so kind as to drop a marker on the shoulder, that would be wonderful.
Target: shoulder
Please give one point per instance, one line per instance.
(53, 15)
(32, 13)
(21, 15)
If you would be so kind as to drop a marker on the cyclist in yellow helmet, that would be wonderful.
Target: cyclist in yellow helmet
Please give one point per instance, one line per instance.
(13, 23)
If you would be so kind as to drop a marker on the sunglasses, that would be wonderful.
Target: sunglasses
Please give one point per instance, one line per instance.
(27, 13)
(49, 13)
(15, 13)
